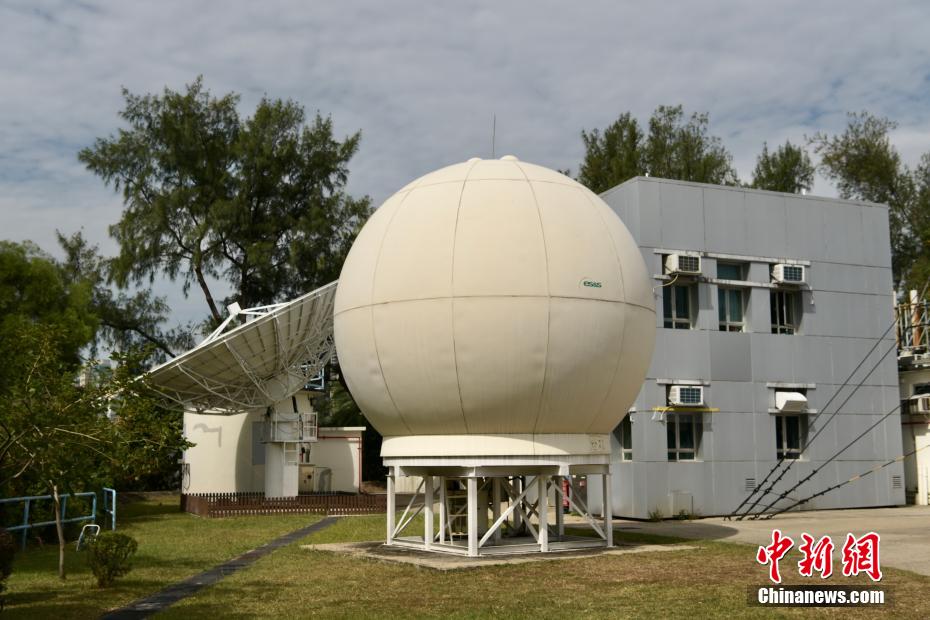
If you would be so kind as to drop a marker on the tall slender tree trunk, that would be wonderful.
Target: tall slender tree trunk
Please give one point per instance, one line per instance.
(202, 281)
(59, 527)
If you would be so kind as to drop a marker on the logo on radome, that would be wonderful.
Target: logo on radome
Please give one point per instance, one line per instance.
(590, 283)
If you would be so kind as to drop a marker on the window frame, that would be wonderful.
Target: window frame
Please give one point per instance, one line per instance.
(676, 421)
(625, 436)
(783, 451)
(789, 299)
(672, 291)
(727, 324)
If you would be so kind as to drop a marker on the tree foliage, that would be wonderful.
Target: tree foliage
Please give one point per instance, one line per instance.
(126, 320)
(865, 165)
(259, 202)
(787, 169)
(34, 291)
(675, 147)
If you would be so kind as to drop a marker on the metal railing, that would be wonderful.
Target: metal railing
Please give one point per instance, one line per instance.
(912, 321)
(28, 502)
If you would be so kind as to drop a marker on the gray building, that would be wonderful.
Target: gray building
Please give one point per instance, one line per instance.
(765, 356)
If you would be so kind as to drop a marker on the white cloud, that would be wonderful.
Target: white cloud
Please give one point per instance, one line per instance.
(422, 80)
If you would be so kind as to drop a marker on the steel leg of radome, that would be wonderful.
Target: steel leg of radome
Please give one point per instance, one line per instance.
(542, 489)
(472, 516)
(391, 508)
(608, 511)
(428, 513)
(496, 507)
(518, 513)
(559, 516)
(443, 513)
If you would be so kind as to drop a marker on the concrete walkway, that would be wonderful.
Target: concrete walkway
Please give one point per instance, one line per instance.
(904, 530)
(143, 608)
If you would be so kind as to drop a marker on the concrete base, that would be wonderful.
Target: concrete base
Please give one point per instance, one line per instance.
(376, 550)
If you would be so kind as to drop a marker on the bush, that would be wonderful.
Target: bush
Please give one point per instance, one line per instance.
(655, 515)
(7, 550)
(108, 556)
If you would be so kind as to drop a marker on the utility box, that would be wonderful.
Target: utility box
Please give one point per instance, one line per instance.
(315, 479)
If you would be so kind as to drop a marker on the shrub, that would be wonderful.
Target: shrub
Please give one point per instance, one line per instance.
(108, 556)
(655, 514)
(7, 550)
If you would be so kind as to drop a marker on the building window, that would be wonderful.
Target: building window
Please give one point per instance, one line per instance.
(730, 309)
(684, 436)
(731, 302)
(786, 312)
(624, 433)
(730, 271)
(676, 306)
(790, 431)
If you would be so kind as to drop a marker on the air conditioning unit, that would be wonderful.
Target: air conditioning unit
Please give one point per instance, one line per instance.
(683, 264)
(686, 396)
(783, 273)
(920, 405)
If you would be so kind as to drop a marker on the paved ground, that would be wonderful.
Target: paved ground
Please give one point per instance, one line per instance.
(143, 608)
(376, 550)
(904, 531)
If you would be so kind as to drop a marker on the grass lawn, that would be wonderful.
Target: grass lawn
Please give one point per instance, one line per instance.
(710, 581)
(172, 545)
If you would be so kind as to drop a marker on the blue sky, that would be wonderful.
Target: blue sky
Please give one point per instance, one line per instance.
(423, 79)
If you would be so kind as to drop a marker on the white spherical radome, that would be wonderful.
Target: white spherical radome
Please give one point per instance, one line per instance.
(494, 307)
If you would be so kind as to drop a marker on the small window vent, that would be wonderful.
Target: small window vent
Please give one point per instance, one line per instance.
(896, 482)
(750, 484)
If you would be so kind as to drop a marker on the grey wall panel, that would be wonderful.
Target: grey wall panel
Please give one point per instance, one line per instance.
(842, 233)
(732, 396)
(876, 240)
(727, 220)
(730, 357)
(683, 354)
(804, 225)
(682, 213)
(650, 217)
(767, 224)
(729, 433)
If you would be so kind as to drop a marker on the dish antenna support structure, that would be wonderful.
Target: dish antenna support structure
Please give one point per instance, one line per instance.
(258, 359)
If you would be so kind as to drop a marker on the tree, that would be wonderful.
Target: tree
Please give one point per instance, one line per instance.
(59, 435)
(673, 148)
(614, 156)
(260, 202)
(681, 150)
(866, 166)
(126, 321)
(33, 291)
(788, 169)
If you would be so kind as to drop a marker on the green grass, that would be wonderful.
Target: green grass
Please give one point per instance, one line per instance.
(710, 580)
(172, 546)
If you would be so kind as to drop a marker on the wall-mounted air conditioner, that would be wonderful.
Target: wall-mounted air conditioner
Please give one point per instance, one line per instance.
(686, 396)
(683, 264)
(790, 401)
(783, 273)
(920, 404)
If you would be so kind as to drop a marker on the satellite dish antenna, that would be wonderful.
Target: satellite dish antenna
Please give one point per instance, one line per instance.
(271, 356)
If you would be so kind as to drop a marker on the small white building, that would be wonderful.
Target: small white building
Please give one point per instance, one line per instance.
(230, 456)
(247, 390)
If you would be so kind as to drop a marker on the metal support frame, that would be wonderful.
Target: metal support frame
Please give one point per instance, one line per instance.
(517, 524)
